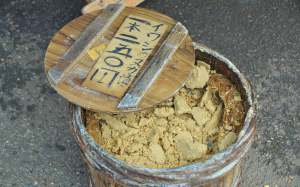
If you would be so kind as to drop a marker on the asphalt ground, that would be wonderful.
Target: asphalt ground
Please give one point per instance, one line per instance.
(260, 36)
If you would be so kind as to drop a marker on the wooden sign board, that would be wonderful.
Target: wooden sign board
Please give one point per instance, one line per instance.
(69, 65)
(125, 55)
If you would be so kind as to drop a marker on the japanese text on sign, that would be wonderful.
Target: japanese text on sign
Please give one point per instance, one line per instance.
(125, 55)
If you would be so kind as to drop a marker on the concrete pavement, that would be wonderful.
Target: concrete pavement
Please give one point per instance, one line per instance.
(260, 36)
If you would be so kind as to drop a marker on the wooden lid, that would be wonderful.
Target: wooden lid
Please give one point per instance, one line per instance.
(119, 59)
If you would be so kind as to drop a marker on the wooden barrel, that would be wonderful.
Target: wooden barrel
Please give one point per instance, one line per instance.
(223, 169)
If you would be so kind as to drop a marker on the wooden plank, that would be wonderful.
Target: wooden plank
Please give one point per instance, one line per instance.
(87, 18)
(84, 42)
(125, 55)
(140, 87)
(62, 39)
(51, 56)
(57, 48)
(71, 32)
(100, 4)
(79, 24)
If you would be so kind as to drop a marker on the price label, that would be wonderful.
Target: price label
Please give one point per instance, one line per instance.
(125, 55)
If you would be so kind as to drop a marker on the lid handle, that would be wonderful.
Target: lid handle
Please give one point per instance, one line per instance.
(91, 34)
(140, 87)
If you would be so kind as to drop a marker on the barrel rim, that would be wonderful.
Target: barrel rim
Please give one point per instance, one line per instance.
(218, 164)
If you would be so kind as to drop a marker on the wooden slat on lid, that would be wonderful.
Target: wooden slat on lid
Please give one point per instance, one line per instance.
(140, 87)
(84, 42)
(174, 73)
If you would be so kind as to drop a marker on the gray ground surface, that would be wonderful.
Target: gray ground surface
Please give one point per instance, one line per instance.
(260, 36)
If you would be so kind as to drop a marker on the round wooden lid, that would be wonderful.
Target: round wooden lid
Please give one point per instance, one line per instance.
(98, 69)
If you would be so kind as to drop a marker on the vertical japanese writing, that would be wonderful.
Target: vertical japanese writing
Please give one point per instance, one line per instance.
(125, 55)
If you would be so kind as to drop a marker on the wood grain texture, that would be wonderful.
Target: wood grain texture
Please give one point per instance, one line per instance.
(100, 4)
(126, 53)
(94, 178)
(173, 76)
(140, 87)
(90, 35)
(221, 170)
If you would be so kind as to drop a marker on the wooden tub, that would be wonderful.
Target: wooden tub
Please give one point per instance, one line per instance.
(223, 169)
